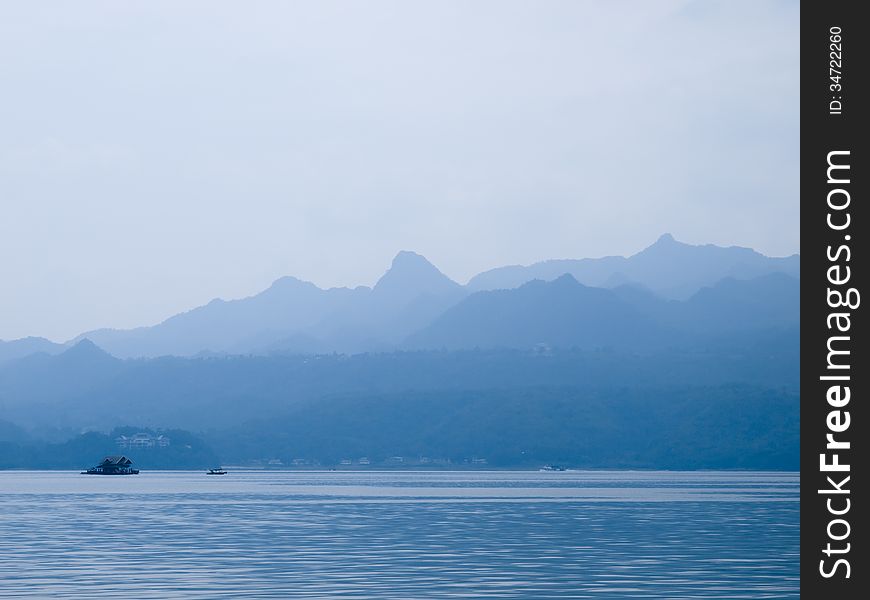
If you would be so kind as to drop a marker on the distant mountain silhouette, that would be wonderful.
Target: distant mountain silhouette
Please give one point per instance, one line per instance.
(406, 298)
(732, 305)
(409, 277)
(287, 306)
(10, 432)
(735, 404)
(729, 306)
(295, 315)
(669, 268)
(565, 313)
(82, 353)
(89, 389)
(561, 313)
(33, 384)
(25, 346)
(608, 362)
(632, 303)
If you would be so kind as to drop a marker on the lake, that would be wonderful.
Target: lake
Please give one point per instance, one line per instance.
(400, 534)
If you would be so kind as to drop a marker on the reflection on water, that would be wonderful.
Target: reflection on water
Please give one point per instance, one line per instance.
(402, 535)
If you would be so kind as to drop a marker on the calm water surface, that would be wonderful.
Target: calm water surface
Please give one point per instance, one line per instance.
(403, 535)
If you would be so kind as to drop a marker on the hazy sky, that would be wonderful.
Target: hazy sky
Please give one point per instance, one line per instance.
(155, 155)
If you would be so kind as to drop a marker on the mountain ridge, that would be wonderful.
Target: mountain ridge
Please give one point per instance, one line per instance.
(688, 268)
(293, 314)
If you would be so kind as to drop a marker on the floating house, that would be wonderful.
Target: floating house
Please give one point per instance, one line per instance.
(113, 465)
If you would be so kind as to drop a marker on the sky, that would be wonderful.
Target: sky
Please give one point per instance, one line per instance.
(157, 154)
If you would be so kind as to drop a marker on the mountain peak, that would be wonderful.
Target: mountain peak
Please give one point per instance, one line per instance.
(85, 345)
(566, 279)
(410, 265)
(665, 243)
(411, 274)
(288, 283)
(407, 258)
(86, 349)
(26, 346)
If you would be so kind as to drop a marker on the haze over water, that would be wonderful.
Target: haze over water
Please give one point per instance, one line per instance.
(283, 534)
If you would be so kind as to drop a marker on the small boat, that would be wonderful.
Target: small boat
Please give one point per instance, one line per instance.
(551, 468)
(218, 471)
(113, 465)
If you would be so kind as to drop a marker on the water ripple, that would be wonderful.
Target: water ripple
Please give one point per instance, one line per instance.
(400, 535)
